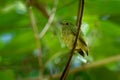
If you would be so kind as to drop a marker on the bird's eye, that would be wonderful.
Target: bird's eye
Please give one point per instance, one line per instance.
(67, 23)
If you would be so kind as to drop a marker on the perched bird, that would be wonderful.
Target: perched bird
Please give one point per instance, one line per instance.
(69, 32)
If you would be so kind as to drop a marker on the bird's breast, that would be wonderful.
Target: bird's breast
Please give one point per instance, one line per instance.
(69, 39)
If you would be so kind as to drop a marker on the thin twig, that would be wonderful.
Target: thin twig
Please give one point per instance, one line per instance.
(50, 20)
(36, 33)
(80, 13)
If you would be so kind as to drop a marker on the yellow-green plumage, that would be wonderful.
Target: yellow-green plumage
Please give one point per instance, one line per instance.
(69, 32)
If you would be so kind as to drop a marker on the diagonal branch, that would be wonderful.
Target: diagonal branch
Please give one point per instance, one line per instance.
(50, 20)
(79, 22)
(36, 33)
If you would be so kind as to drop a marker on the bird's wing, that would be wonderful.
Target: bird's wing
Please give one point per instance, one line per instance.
(81, 36)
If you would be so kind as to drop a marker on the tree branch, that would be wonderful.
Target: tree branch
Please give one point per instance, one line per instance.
(50, 20)
(36, 33)
(79, 22)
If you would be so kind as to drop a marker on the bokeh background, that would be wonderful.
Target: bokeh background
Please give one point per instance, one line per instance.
(20, 56)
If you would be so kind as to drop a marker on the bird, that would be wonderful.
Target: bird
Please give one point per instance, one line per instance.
(69, 32)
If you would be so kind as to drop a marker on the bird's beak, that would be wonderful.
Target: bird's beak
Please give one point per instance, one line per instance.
(61, 23)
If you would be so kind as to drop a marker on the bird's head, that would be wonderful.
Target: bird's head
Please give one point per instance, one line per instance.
(66, 24)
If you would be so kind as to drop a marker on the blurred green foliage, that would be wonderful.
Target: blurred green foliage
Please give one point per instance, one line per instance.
(18, 51)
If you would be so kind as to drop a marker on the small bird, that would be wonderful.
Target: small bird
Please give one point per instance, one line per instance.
(69, 31)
